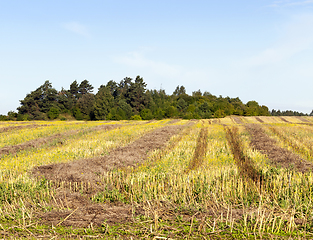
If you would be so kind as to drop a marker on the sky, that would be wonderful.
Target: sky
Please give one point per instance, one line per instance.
(258, 50)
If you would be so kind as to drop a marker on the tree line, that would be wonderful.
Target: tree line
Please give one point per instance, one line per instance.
(128, 99)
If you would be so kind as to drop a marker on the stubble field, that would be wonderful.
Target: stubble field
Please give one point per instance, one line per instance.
(230, 178)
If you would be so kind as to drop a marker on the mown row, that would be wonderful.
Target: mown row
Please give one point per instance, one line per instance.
(208, 182)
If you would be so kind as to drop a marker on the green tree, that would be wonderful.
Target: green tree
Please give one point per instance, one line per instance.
(53, 113)
(219, 113)
(126, 108)
(12, 115)
(252, 108)
(159, 114)
(37, 103)
(104, 101)
(170, 111)
(181, 105)
(85, 87)
(263, 111)
(114, 114)
(135, 117)
(137, 95)
(146, 114)
(205, 110)
(113, 87)
(3, 118)
(86, 105)
(77, 114)
(74, 88)
(123, 89)
(180, 90)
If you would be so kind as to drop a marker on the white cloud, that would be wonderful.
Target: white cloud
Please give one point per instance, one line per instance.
(298, 37)
(138, 60)
(169, 75)
(77, 28)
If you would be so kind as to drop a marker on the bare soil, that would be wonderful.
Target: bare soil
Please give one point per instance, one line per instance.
(259, 119)
(237, 120)
(283, 119)
(89, 170)
(45, 140)
(278, 156)
(78, 210)
(303, 119)
(173, 121)
(11, 128)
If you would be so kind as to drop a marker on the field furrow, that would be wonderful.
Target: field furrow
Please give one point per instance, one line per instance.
(278, 156)
(58, 138)
(122, 157)
(39, 131)
(228, 178)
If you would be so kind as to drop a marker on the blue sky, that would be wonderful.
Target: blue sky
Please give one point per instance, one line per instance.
(258, 50)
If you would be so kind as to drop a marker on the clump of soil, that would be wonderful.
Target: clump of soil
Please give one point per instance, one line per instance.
(278, 156)
(45, 140)
(90, 169)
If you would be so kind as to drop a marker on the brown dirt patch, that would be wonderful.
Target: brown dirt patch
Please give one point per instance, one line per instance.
(303, 119)
(283, 119)
(11, 128)
(174, 121)
(237, 120)
(45, 140)
(90, 169)
(278, 156)
(78, 210)
(259, 119)
(200, 151)
(216, 121)
(245, 164)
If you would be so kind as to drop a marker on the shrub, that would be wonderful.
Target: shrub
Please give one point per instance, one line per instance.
(53, 113)
(146, 114)
(135, 117)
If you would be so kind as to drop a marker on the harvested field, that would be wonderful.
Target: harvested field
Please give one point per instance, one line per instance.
(58, 138)
(89, 170)
(12, 128)
(278, 156)
(302, 119)
(237, 120)
(84, 213)
(259, 119)
(200, 151)
(284, 120)
(229, 178)
(128, 156)
(245, 164)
